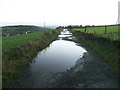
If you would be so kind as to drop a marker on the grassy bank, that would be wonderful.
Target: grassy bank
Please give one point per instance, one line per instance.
(21, 50)
(17, 40)
(110, 31)
(102, 46)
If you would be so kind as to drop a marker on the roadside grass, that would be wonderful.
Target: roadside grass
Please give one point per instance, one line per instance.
(103, 47)
(111, 31)
(22, 50)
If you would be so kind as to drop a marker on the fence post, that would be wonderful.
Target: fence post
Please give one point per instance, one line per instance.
(105, 29)
(85, 29)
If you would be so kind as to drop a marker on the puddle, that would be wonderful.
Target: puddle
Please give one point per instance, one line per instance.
(59, 56)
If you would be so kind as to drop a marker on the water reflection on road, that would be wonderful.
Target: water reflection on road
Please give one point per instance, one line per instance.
(60, 55)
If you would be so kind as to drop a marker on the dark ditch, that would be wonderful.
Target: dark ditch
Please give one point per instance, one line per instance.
(66, 64)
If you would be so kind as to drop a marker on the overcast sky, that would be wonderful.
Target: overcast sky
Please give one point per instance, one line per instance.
(58, 12)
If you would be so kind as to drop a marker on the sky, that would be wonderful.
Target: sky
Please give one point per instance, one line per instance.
(58, 12)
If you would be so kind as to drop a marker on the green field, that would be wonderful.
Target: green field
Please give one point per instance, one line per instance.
(17, 40)
(111, 31)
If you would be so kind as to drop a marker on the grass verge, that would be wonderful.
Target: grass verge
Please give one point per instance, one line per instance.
(105, 48)
(15, 58)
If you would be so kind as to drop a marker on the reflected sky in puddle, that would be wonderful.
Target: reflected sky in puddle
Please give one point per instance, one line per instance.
(59, 56)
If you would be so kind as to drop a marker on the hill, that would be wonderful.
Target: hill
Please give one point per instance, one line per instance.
(20, 29)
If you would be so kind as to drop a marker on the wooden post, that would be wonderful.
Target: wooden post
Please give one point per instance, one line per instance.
(105, 29)
(85, 29)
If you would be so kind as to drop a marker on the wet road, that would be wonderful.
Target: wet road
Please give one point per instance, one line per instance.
(66, 64)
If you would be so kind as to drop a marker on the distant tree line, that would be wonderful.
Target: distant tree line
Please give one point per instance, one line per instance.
(81, 26)
(73, 26)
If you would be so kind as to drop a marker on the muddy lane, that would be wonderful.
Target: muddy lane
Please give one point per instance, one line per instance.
(65, 63)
